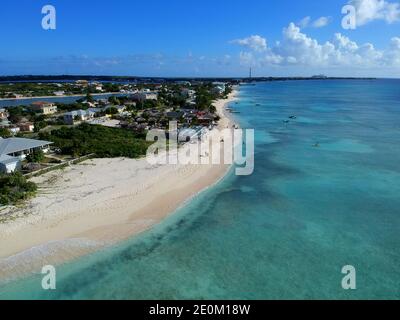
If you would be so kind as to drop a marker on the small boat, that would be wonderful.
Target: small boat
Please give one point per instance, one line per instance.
(292, 117)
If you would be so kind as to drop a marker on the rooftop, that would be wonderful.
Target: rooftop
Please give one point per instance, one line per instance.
(12, 145)
(41, 103)
(5, 159)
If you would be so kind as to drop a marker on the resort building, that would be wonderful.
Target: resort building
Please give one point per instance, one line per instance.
(14, 150)
(44, 107)
(77, 116)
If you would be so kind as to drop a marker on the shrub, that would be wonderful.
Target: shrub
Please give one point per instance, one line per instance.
(15, 188)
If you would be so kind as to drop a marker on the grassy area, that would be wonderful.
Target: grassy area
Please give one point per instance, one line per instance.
(96, 139)
(15, 188)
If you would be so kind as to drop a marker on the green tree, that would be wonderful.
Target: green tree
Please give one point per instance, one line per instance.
(36, 156)
(5, 133)
(89, 98)
(39, 125)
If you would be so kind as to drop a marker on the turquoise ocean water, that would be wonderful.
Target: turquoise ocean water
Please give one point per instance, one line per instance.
(325, 193)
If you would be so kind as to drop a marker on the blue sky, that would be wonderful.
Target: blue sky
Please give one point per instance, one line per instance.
(201, 38)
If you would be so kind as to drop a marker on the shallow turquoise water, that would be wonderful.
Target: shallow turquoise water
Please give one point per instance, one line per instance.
(284, 232)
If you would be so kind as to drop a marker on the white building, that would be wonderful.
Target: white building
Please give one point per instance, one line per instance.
(219, 87)
(14, 150)
(78, 115)
(9, 164)
(144, 95)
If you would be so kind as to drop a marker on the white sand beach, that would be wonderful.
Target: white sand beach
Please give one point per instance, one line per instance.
(97, 203)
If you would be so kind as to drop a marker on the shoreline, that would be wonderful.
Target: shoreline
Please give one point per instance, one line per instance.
(99, 203)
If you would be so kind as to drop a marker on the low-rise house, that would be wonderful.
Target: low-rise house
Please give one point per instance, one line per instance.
(43, 107)
(5, 123)
(9, 164)
(219, 87)
(14, 150)
(77, 116)
(83, 83)
(14, 130)
(4, 114)
(188, 93)
(144, 95)
(59, 93)
(26, 126)
(205, 119)
(97, 86)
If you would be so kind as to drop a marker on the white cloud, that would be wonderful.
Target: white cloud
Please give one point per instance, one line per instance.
(370, 10)
(318, 23)
(303, 23)
(321, 22)
(298, 49)
(255, 42)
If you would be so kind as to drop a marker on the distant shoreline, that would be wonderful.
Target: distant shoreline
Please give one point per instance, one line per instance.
(141, 79)
(63, 96)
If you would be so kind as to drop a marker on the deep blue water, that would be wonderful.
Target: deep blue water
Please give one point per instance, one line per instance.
(325, 193)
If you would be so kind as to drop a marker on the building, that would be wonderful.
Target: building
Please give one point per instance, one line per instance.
(144, 95)
(3, 114)
(26, 127)
(14, 130)
(14, 150)
(219, 87)
(188, 93)
(59, 93)
(83, 83)
(79, 115)
(44, 107)
(9, 164)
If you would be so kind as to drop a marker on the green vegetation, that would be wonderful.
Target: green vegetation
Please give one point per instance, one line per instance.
(205, 97)
(5, 133)
(36, 156)
(9, 90)
(102, 141)
(15, 188)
